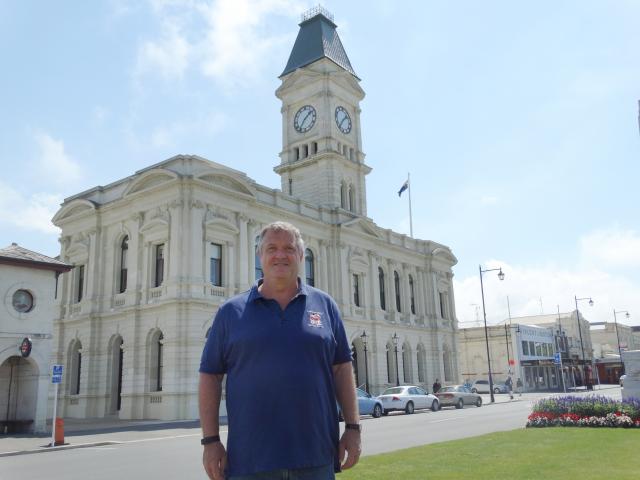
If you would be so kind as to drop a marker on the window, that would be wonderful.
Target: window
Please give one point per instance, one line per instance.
(343, 195)
(124, 249)
(525, 348)
(356, 290)
(532, 349)
(442, 305)
(258, 268)
(352, 199)
(383, 296)
(215, 262)
(75, 361)
(396, 283)
(411, 293)
(309, 268)
(159, 362)
(79, 283)
(159, 263)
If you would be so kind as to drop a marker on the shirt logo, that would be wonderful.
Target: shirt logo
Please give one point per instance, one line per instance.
(315, 319)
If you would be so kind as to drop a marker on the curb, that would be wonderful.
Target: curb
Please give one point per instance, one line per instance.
(45, 449)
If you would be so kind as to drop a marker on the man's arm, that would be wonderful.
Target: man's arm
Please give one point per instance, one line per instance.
(346, 395)
(214, 457)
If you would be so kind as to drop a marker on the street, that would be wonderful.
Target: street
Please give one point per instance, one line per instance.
(176, 453)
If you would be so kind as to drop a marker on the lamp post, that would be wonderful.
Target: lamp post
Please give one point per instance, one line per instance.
(584, 360)
(615, 320)
(366, 363)
(486, 334)
(395, 348)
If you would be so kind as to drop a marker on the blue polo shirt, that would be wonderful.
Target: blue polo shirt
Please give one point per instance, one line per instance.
(280, 390)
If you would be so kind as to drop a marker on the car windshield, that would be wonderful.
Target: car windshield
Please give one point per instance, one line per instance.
(391, 391)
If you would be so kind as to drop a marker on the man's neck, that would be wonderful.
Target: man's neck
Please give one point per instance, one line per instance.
(281, 292)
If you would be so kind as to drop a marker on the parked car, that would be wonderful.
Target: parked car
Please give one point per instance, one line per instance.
(482, 386)
(367, 405)
(622, 379)
(408, 398)
(458, 396)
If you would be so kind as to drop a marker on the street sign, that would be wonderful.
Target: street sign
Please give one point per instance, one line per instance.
(56, 376)
(556, 358)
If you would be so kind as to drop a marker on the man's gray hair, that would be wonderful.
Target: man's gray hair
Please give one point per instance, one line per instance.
(282, 227)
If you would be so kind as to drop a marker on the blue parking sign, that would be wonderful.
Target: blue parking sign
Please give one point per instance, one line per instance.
(56, 376)
(556, 358)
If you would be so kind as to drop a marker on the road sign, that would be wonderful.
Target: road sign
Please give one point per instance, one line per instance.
(556, 358)
(56, 376)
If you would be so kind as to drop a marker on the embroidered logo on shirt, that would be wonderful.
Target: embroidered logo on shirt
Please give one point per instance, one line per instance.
(315, 319)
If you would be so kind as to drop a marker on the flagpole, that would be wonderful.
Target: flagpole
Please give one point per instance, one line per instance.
(410, 215)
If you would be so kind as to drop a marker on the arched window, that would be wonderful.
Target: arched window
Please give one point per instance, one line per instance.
(75, 363)
(309, 268)
(396, 284)
(343, 195)
(352, 199)
(356, 289)
(156, 361)
(383, 295)
(258, 269)
(412, 295)
(354, 363)
(124, 249)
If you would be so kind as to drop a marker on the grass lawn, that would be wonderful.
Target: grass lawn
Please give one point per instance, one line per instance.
(535, 453)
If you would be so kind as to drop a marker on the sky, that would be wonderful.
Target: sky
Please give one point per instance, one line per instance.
(517, 121)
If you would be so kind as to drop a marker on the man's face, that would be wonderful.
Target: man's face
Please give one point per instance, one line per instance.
(280, 257)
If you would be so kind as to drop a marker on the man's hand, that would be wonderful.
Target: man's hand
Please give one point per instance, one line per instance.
(349, 442)
(214, 459)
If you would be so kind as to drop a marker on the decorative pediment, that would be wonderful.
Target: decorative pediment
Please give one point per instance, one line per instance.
(78, 248)
(362, 225)
(225, 181)
(149, 180)
(444, 254)
(358, 260)
(73, 209)
(214, 223)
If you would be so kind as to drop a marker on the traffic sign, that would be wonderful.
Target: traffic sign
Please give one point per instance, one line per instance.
(56, 376)
(556, 358)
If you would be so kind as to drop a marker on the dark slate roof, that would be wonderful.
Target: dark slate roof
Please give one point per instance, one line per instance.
(15, 255)
(317, 39)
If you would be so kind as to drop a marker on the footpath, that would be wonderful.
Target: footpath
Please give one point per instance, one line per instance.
(94, 432)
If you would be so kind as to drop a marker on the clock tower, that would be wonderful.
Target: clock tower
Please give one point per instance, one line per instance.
(322, 160)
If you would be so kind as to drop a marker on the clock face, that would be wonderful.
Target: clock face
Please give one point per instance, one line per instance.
(22, 301)
(343, 120)
(305, 119)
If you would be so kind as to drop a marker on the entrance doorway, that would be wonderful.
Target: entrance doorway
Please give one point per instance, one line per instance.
(18, 395)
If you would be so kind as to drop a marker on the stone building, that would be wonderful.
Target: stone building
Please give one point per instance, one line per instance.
(156, 253)
(609, 341)
(28, 286)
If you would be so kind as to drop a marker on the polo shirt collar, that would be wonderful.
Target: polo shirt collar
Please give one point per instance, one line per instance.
(255, 294)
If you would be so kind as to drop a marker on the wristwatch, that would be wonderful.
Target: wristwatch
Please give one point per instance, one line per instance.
(210, 439)
(353, 426)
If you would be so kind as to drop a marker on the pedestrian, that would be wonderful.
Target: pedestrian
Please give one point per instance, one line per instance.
(519, 386)
(436, 386)
(509, 384)
(286, 357)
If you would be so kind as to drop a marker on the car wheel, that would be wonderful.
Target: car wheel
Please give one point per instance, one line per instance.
(479, 402)
(496, 390)
(377, 411)
(460, 404)
(473, 390)
(409, 408)
(435, 406)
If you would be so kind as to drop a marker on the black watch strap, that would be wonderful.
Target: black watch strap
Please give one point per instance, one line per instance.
(353, 426)
(210, 439)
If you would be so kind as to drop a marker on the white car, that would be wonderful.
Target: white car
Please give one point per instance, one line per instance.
(408, 398)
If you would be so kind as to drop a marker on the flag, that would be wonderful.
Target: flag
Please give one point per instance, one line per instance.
(404, 186)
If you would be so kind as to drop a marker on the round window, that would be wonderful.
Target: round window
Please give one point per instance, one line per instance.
(23, 301)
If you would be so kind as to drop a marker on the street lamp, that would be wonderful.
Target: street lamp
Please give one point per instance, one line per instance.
(584, 360)
(615, 320)
(486, 334)
(395, 348)
(366, 363)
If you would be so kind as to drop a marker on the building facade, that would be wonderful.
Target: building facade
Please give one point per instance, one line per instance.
(156, 254)
(28, 285)
(609, 341)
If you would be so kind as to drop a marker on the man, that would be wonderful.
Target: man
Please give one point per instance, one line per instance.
(283, 348)
(436, 386)
(509, 384)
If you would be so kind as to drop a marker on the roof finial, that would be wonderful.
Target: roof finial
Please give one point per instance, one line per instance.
(318, 10)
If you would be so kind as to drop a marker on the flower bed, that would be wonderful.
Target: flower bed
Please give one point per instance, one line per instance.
(590, 411)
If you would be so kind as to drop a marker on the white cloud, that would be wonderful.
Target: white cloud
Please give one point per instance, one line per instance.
(611, 248)
(168, 56)
(53, 164)
(28, 212)
(541, 289)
